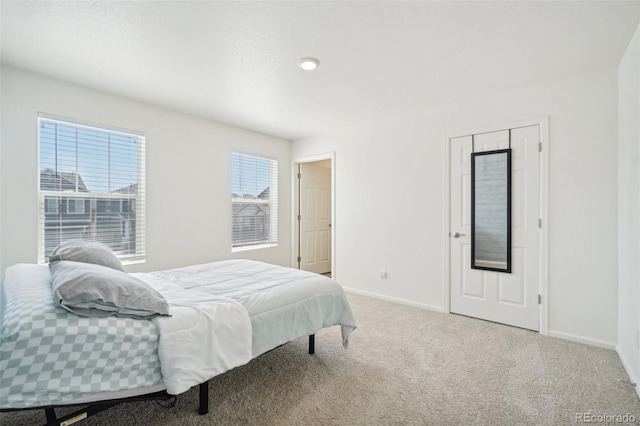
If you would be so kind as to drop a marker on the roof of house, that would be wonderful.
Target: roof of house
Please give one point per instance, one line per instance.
(53, 180)
(130, 189)
(250, 209)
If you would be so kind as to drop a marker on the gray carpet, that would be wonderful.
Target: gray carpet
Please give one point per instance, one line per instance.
(405, 366)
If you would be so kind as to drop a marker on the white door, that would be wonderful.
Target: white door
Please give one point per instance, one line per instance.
(315, 218)
(508, 298)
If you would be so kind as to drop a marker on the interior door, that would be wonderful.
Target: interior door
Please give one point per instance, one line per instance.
(315, 218)
(508, 298)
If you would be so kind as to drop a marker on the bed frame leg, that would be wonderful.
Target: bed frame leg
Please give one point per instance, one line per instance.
(50, 412)
(204, 398)
(312, 344)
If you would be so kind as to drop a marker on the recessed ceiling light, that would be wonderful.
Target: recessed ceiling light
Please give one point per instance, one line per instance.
(309, 64)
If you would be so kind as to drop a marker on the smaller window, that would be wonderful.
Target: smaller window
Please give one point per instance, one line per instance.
(254, 200)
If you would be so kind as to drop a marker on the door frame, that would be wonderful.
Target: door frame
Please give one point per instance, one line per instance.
(543, 283)
(295, 192)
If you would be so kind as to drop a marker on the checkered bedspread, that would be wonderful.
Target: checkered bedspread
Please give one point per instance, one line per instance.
(50, 357)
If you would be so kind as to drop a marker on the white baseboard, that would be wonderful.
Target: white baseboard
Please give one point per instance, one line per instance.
(582, 339)
(551, 333)
(396, 300)
(627, 368)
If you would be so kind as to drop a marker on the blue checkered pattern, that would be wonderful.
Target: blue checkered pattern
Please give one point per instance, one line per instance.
(50, 356)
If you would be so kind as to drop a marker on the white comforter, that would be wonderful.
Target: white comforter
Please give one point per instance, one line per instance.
(205, 336)
(283, 303)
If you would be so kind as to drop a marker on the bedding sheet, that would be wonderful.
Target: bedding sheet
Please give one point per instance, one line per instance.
(283, 303)
(49, 356)
(205, 336)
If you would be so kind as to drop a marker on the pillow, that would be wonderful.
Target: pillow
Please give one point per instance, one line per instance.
(88, 252)
(96, 291)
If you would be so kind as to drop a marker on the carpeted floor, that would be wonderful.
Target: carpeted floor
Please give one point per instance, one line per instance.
(405, 366)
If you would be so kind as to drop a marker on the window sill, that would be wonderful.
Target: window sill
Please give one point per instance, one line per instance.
(253, 247)
(132, 262)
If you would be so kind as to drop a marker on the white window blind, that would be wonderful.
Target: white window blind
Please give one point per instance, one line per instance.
(91, 187)
(254, 198)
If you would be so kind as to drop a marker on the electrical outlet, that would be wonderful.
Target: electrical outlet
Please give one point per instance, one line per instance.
(383, 274)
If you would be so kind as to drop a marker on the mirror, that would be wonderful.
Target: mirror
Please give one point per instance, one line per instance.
(491, 210)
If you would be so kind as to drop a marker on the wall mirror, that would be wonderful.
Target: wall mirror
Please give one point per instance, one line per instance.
(491, 210)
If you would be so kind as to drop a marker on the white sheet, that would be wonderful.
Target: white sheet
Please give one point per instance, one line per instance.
(205, 336)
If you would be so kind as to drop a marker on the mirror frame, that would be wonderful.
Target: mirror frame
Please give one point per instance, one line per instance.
(474, 155)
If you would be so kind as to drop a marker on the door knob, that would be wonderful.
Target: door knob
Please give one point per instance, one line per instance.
(458, 235)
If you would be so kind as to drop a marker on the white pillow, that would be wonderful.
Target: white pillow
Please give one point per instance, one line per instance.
(87, 252)
(95, 291)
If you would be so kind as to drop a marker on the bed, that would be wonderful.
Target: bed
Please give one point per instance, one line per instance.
(223, 314)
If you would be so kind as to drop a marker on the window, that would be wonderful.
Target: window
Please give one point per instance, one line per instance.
(86, 174)
(76, 206)
(51, 205)
(254, 198)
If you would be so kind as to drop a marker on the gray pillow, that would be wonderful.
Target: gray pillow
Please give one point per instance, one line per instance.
(87, 252)
(95, 291)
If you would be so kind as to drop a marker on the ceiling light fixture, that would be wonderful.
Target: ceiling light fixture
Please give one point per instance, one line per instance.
(309, 64)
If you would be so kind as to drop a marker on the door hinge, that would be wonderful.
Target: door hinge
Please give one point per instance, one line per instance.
(299, 175)
(299, 259)
(539, 146)
(539, 299)
(540, 223)
(299, 217)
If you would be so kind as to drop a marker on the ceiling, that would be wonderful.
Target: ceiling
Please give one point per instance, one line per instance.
(236, 62)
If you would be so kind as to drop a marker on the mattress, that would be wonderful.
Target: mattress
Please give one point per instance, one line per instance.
(49, 356)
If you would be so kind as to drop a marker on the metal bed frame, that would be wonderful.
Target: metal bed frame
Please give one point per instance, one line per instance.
(96, 407)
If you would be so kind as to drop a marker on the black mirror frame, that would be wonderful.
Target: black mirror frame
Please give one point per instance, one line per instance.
(473, 210)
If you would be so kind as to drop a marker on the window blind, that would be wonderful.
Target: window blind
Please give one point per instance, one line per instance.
(254, 199)
(91, 187)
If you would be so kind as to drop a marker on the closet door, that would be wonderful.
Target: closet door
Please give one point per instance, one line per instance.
(508, 298)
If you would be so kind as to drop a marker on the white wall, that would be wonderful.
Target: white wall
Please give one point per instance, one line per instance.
(390, 193)
(188, 172)
(629, 208)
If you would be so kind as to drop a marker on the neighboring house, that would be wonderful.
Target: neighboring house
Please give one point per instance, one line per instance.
(251, 221)
(71, 215)
(50, 180)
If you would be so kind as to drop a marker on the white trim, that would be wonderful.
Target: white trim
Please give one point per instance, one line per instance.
(581, 339)
(40, 246)
(396, 300)
(253, 247)
(629, 371)
(447, 225)
(543, 319)
(254, 154)
(91, 125)
(294, 203)
(543, 284)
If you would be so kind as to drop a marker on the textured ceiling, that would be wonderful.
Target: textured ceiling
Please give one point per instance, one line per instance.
(236, 62)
